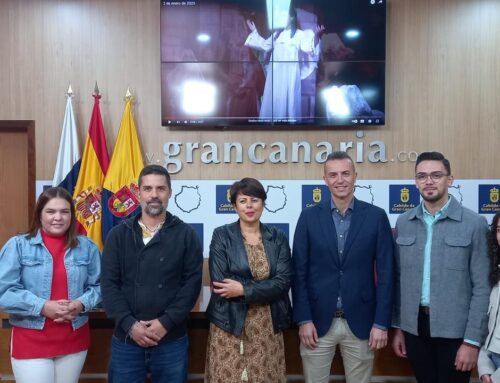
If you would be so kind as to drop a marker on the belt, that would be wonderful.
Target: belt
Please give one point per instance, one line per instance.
(340, 313)
(424, 309)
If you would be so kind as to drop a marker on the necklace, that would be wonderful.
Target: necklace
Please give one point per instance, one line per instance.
(156, 228)
(252, 238)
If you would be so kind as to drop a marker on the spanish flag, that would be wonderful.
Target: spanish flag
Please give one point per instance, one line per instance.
(88, 189)
(120, 197)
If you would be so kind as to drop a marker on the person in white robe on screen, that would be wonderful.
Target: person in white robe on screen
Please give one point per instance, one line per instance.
(295, 53)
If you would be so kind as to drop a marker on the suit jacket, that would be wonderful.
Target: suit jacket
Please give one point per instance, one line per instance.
(320, 273)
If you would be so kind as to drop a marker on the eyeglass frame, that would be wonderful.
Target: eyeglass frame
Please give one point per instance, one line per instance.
(434, 176)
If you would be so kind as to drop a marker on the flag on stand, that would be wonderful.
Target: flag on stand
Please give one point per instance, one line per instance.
(88, 190)
(120, 196)
(68, 156)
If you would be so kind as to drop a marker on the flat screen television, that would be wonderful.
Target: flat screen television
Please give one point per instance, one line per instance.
(273, 63)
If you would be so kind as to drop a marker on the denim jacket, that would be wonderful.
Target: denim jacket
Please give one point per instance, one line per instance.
(26, 279)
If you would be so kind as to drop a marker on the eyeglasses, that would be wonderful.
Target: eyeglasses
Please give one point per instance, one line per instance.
(435, 176)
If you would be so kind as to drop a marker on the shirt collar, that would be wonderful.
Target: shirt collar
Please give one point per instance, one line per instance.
(439, 212)
(350, 207)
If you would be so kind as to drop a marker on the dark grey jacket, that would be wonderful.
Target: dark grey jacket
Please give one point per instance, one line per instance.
(159, 280)
(459, 287)
(228, 259)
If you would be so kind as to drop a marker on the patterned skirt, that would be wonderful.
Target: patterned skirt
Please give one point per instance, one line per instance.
(257, 356)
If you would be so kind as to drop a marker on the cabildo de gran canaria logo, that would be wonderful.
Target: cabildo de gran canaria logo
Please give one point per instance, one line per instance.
(494, 195)
(489, 198)
(314, 194)
(317, 195)
(223, 200)
(402, 198)
(405, 195)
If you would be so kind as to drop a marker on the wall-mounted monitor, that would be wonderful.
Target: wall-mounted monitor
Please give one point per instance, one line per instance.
(273, 63)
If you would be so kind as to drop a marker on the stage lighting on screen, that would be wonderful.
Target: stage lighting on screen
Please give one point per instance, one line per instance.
(198, 98)
(203, 37)
(336, 104)
(352, 33)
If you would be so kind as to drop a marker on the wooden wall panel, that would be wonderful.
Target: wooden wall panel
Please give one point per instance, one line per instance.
(443, 81)
(443, 85)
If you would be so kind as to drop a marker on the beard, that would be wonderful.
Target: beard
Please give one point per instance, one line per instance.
(154, 208)
(432, 197)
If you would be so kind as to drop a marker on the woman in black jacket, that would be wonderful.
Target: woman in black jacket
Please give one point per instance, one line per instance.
(251, 272)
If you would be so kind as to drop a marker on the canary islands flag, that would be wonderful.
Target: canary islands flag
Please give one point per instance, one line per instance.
(88, 190)
(68, 156)
(120, 196)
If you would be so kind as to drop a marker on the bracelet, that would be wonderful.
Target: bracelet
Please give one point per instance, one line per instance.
(471, 345)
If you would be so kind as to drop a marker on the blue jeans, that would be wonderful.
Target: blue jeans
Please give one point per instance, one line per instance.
(166, 362)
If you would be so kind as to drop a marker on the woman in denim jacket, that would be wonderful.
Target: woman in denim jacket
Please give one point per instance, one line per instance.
(49, 280)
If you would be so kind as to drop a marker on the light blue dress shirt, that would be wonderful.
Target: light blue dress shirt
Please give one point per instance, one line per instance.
(429, 220)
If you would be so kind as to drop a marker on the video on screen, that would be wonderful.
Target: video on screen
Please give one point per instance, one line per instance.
(272, 63)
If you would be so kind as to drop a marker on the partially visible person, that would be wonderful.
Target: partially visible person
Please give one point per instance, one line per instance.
(442, 286)
(151, 279)
(251, 272)
(343, 258)
(49, 280)
(282, 91)
(245, 83)
(488, 364)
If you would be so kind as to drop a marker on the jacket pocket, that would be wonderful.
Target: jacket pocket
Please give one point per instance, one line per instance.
(406, 240)
(407, 253)
(457, 252)
(80, 260)
(77, 271)
(218, 308)
(30, 260)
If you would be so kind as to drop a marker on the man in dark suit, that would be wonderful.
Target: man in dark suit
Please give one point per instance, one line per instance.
(343, 256)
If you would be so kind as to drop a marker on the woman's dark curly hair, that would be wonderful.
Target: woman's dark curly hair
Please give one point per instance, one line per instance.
(494, 251)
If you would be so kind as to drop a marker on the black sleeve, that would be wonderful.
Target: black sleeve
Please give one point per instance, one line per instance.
(189, 289)
(268, 290)
(114, 301)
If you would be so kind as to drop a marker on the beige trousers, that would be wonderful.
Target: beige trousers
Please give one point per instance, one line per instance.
(356, 356)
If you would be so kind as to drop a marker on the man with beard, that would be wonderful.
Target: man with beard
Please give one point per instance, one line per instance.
(442, 289)
(151, 279)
